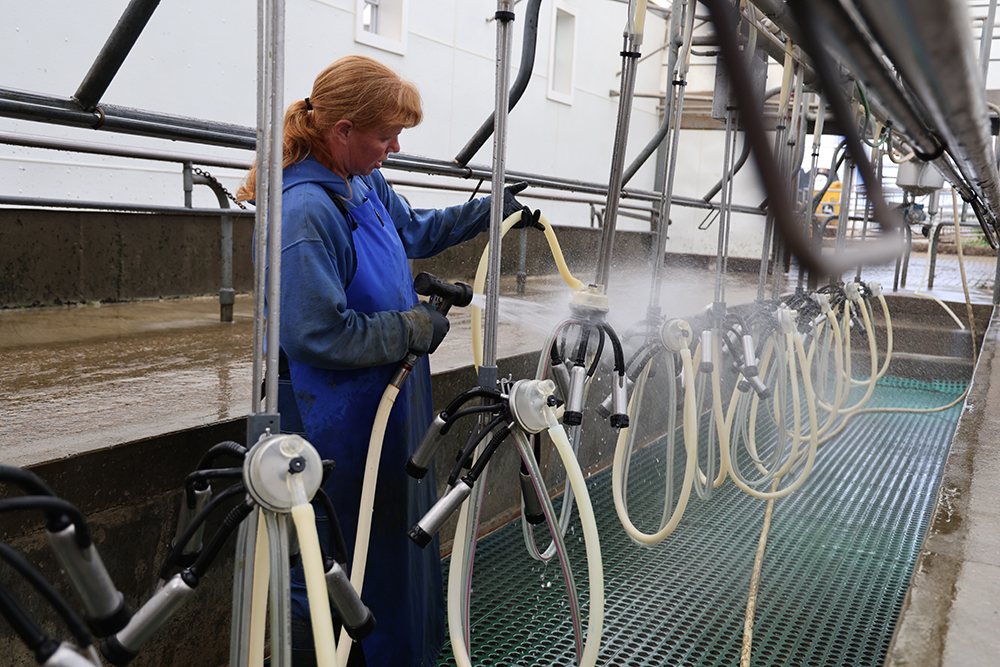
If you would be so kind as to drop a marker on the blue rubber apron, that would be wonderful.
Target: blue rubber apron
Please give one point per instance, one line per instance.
(403, 586)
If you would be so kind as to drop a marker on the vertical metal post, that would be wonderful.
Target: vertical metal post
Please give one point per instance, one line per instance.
(630, 59)
(505, 18)
(260, 214)
(767, 257)
(877, 162)
(723, 208)
(188, 178)
(522, 260)
(845, 204)
(274, 201)
(809, 212)
(227, 295)
(675, 108)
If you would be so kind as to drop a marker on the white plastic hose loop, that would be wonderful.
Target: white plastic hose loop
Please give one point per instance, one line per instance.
(480, 281)
(794, 340)
(591, 539)
(691, 448)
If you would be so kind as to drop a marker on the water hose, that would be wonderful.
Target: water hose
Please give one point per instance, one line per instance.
(312, 566)
(480, 282)
(538, 481)
(591, 539)
(258, 604)
(366, 510)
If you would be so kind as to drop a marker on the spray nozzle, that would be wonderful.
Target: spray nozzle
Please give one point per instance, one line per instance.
(443, 295)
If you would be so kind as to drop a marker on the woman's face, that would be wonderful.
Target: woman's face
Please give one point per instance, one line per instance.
(359, 153)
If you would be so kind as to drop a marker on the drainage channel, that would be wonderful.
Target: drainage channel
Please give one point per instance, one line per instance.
(839, 559)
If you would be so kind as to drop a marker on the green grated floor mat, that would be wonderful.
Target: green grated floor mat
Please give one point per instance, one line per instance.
(839, 558)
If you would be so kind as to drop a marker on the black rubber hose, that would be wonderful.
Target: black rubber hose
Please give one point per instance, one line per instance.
(25, 627)
(75, 624)
(488, 452)
(517, 89)
(56, 511)
(229, 525)
(651, 351)
(597, 353)
(450, 419)
(29, 482)
(175, 552)
(467, 450)
(616, 345)
(199, 480)
(339, 545)
(468, 395)
(224, 448)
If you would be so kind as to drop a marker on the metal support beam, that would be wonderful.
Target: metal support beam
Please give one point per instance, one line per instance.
(111, 118)
(111, 57)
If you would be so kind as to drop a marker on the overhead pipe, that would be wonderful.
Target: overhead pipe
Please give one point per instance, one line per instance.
(32, 141)
(528, 42)
(842, 32)
(116, 49)
(24, 105)
(45, 202)
(437, 167)
(930, 44)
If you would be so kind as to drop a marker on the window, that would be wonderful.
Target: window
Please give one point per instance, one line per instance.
(382, 24)
(369, 17)
(562, 55)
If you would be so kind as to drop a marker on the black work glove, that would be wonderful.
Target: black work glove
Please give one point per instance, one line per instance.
(510, 204)
(529, 219)
(439, 323)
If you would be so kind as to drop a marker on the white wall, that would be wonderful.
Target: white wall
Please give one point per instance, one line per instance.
(199, 59)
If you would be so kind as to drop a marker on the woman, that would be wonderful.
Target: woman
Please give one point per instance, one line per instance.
(348, 316)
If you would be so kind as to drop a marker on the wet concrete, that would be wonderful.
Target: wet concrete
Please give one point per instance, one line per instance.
(83, 377)
(951, 615)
